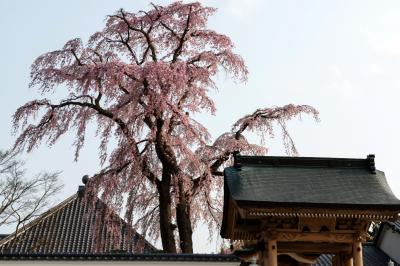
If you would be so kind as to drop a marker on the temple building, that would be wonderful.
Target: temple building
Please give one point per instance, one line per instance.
(68, 227)
(292, 210)
(64, 235)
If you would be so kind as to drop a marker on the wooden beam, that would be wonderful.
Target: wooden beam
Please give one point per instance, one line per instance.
(306, 247)
(371, 214)
(247, 228)
(314, 237)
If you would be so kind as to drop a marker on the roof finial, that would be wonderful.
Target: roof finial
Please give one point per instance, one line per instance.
(81, 189)
(237, 160)
(371, 161)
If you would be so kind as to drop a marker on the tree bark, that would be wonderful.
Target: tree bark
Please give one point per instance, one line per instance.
(166, 226)
(184, 222)
(170, 168)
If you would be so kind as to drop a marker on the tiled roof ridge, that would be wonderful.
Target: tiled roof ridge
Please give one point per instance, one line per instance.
(44, 215)
(123, 256)
(315, 162)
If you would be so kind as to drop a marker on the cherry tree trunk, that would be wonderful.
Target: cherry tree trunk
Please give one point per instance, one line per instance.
(166, 226)
(184, 222)
(184, 227)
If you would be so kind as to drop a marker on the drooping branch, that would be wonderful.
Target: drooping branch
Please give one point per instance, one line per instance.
(262, 121)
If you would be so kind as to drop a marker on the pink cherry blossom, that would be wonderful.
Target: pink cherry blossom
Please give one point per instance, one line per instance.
(140, 81)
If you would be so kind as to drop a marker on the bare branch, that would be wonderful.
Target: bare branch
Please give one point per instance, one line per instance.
(23, 199)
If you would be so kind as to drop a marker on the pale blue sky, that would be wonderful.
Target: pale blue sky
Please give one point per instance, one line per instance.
(343, 57)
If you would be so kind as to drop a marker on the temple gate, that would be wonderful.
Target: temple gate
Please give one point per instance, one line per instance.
(290, 210)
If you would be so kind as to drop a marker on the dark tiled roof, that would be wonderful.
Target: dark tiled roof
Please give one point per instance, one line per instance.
(310, 181)
(68, 228)
(326, 260)
(3, 236)
(124, 257)
(395, 226)
(372, 256)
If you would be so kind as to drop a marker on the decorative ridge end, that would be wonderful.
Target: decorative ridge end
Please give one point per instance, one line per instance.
(81, 189)
(85, 179)
(371, 163)
(237, 160)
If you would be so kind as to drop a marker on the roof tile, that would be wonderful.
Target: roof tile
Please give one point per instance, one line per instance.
(68, 228)
(308, 180)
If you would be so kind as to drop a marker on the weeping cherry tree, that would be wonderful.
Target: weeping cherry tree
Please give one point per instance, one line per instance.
(140, 81)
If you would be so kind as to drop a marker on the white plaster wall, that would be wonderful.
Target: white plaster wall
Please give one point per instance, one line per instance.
(133, 263)
(389, 243)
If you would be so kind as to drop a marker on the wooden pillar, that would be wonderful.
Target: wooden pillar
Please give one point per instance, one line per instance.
(342, 259)
(272, 253)
(264, 256)
(348, 260)
(337, 260)
(357, 254)
(334, 260)
(265, 261)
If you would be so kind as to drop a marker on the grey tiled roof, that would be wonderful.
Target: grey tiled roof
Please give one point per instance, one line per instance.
(395, 226)
(372, 256)
(68, 228)
(305, 180)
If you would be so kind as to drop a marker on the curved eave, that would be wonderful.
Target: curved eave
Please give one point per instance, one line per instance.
(332, 206)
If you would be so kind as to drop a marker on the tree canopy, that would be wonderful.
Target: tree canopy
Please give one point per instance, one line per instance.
(141, 80)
